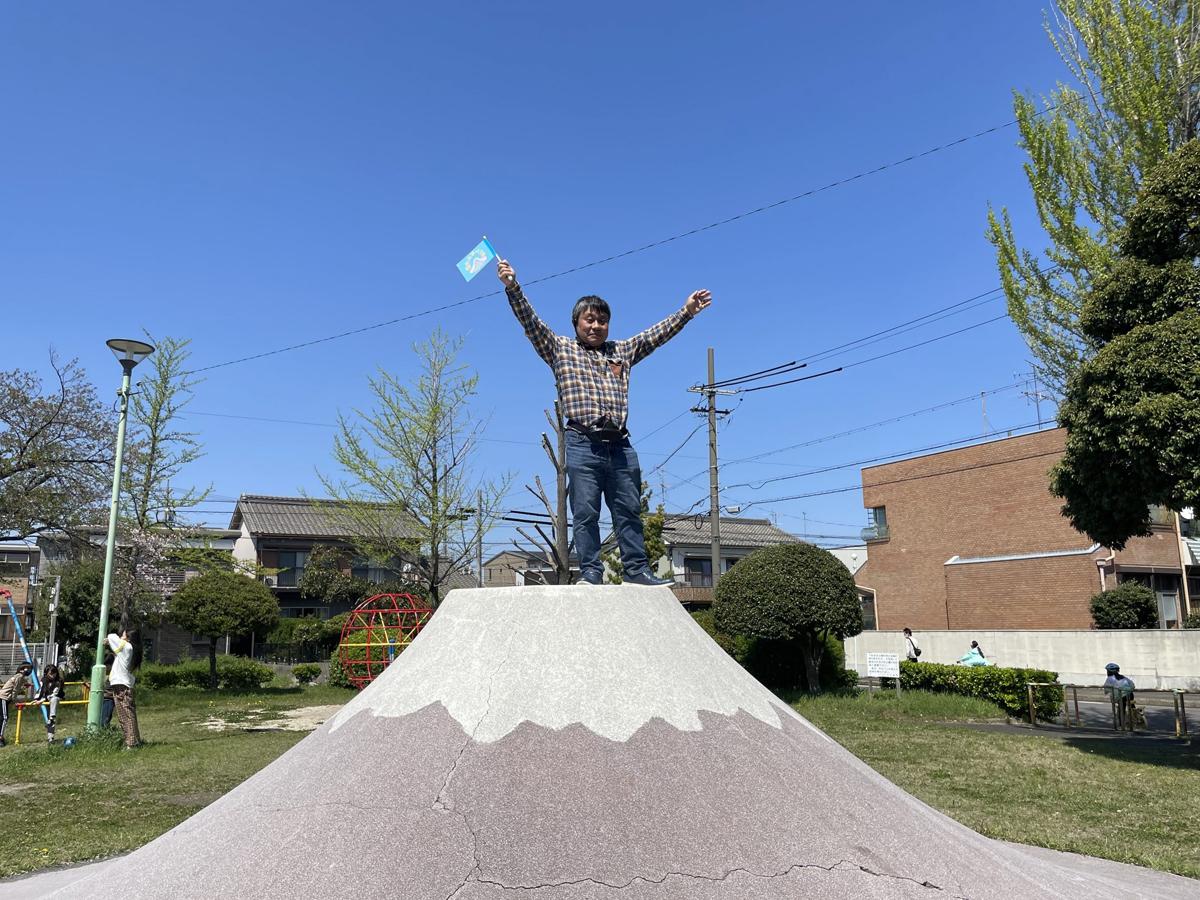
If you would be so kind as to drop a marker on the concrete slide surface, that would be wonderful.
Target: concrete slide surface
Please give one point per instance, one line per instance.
(570, 743)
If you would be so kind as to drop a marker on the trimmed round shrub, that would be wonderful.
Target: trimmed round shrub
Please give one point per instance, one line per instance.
(306, 673)
(780, 592)
(1129, 605)
(793, 600)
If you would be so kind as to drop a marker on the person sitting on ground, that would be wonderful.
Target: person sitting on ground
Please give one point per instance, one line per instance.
(974, 656)
(592, 375)
(51, 694)
(13, 691)
(911, 650)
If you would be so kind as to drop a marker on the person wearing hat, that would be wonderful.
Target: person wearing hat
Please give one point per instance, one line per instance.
(1116, 685)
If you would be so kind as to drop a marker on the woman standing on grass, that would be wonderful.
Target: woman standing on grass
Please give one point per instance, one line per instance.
(127, 657)
(51, 694)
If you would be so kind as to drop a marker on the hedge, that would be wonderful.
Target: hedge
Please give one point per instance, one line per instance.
(306, 673)
(234, 673)
(1002, 686)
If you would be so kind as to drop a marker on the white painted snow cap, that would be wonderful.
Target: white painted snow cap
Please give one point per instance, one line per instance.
(610, 658)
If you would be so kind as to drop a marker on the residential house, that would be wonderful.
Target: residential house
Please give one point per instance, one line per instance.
(19, 561)
(280, 533)
(689, 550)
(520, 566)
(972, 538)
(163, 641)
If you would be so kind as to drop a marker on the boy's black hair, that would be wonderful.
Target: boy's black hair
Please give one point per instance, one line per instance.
(591, 301)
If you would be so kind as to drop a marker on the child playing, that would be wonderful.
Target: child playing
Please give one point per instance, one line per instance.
(51, 694)
(13, 690)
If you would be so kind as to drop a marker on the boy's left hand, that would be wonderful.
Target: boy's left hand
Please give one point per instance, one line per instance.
(697, 301)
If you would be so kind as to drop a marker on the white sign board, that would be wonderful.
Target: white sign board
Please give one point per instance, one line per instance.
(883, 665)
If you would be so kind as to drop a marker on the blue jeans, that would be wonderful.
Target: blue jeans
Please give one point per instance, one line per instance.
(609, 469)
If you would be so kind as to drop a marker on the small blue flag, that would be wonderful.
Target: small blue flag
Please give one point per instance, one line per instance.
(472, 264)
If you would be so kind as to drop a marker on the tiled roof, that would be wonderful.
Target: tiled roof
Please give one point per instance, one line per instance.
(302, 517)
(735, 532)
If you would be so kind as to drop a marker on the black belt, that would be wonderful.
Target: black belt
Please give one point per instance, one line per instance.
(606, 433)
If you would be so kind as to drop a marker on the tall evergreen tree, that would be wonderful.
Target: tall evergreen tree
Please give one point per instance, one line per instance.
(1133, 97)
(1132, 411)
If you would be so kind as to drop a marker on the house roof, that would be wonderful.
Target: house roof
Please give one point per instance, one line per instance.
(693, 531)
(297, 517)
(525, 556)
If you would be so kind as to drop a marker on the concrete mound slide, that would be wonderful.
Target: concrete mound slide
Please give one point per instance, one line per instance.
(569, 743)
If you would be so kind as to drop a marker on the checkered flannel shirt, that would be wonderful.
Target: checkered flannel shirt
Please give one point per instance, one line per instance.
(592, 384)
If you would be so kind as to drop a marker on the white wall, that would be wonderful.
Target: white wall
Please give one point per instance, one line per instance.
(1155, 659)
(244, 549)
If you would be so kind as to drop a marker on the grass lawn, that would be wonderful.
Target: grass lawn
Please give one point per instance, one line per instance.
(1129, 800)
(57, 810)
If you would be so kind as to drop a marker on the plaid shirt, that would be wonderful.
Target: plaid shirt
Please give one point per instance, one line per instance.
(592, 384)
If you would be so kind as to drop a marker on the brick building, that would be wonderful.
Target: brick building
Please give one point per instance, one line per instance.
(973, 538)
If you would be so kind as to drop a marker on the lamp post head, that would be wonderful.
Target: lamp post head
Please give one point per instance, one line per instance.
(129, 352)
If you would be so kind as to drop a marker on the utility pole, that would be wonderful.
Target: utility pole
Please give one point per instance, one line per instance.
(479, 537)
(714, 491)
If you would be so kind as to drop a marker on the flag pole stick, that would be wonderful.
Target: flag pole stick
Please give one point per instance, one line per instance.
(497, 252)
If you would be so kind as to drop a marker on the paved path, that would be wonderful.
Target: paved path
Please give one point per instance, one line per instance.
(1159, 719)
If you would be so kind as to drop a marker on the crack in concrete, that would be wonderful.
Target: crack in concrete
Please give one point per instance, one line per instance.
(439, 803)
(725, 876)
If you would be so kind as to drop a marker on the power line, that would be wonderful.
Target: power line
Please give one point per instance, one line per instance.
(908, 415)
(639, 249)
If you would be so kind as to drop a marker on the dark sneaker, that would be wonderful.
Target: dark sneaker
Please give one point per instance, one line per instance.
(589, 578)
(645, 578)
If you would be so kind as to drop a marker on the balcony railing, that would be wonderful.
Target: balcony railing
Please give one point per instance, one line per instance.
(875, 532)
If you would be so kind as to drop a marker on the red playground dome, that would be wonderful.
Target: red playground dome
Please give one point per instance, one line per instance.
(377, 631)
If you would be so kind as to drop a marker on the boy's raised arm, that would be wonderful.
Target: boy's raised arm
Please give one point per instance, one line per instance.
(539, 333)
(642, 345)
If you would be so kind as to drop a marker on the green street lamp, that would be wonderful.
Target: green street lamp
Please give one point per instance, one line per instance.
(129, 353)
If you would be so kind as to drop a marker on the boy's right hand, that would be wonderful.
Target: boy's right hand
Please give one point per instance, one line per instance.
(505, 272)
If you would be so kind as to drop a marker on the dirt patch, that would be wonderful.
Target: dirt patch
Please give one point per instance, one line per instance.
(11, 790)
(306, 718)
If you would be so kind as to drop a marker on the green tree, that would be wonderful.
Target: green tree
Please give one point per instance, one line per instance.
(408, 491)
(1132, 411)
(324, 581)
(223, 603)
(159, 451)
(790, 593)
(1135, 68)
(1129, 605)
(56, 445)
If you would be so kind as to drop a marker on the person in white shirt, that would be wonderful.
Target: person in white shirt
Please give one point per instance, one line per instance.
(127, 657)
(911, 650)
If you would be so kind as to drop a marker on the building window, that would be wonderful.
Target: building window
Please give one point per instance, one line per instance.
(291, 567)
(697, 572)
(868, 610)
(1160, 515)
(877, 524)
(729, 562)
(374, 572)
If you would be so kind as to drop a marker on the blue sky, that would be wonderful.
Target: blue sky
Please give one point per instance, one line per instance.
(256, 175)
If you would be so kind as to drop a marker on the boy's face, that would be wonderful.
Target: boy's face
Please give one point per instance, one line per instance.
(592, 328)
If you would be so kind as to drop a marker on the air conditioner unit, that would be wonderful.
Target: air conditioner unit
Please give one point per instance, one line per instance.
(270, 581)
